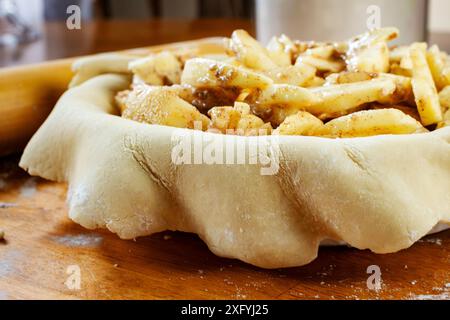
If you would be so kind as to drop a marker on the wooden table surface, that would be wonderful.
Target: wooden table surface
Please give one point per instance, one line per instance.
(44, 249)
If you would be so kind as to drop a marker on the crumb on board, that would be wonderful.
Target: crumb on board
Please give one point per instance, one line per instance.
(167, 237)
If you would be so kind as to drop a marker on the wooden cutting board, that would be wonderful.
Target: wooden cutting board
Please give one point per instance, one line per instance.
(45, 254)
(42, 245)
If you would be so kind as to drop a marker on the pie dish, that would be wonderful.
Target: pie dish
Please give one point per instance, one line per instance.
(381, 191)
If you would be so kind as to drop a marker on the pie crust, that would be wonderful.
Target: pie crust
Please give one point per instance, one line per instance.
(381, 193)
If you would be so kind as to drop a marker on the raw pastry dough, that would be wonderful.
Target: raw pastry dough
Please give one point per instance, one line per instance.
(381, 193)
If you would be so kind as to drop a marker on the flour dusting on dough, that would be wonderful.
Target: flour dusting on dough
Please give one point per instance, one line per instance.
(2, 184)
(413, 235)
(328, 197)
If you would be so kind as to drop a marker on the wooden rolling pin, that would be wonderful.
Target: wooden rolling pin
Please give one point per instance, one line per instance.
(28, 93)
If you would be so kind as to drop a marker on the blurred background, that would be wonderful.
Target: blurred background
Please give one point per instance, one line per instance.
(37, 30)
